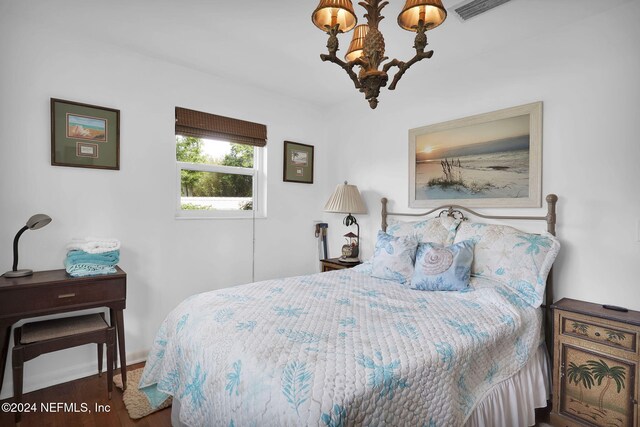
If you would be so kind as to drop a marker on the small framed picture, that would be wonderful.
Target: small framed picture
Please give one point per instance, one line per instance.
(298, 163)
(84, 136)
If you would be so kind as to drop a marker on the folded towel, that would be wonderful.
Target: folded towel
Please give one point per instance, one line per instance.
(94, 245)
(81, 257)
(88, 269)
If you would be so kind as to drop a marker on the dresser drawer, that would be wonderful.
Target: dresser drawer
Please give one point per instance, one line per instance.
(602, 333)
(77, 295)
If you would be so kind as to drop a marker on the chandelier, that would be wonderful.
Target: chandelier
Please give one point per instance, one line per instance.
(367, 46)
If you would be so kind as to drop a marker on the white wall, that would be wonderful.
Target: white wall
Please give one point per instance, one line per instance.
(166, 259)
(588, 76)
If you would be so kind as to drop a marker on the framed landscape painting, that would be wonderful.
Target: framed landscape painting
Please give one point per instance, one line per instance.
(489, 160)
(298, 163)
(84, 136)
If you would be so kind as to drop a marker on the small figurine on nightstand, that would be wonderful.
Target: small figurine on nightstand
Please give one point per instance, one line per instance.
(350, 251)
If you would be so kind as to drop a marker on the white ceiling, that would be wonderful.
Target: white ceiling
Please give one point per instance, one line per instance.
(272, 44)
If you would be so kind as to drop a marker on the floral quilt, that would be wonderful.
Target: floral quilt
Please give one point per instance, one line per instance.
(336, 349)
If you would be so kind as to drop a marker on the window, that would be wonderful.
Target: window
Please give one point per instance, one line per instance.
(219, 166)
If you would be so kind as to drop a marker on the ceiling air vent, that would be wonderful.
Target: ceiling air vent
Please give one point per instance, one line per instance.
(470, 8)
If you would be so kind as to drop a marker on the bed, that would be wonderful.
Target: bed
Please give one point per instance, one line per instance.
(347, 348)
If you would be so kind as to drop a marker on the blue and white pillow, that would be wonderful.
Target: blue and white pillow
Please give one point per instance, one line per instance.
(443, 268)
(393, 257)
(520, 260)
(439, 230)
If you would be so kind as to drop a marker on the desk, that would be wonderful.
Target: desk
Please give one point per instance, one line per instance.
(52, 292)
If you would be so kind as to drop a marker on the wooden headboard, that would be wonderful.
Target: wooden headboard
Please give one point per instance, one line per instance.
(457, 211)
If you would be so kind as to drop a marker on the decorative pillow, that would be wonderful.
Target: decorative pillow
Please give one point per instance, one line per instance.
(443, 268)
(440, 230)
(517, 259)
(393, 257)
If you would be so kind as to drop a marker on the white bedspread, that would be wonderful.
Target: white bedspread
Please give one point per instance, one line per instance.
(338, 348)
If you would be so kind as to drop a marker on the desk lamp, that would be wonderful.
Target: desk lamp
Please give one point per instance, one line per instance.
(35, 222)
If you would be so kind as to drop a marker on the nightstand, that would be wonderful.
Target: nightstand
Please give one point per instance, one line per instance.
(595, 365)
(336, 264)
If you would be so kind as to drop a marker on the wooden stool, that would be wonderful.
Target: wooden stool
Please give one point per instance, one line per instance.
(36, 338)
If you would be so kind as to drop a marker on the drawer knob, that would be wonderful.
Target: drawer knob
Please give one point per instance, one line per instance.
(66, 296)
(597, 334)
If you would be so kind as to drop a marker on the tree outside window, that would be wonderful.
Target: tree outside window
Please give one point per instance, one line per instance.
(215, 175)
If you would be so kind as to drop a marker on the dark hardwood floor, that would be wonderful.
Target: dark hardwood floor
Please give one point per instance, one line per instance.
(91, 391)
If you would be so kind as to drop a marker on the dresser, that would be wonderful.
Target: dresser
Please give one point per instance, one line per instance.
(595, 369)
(53, 292)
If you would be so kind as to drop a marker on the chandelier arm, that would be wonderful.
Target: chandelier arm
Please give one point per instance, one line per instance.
(348, 67)
(404, 66)
(392, 63)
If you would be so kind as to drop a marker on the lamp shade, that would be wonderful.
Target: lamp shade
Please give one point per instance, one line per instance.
(431, 12)
(332, 12)
(38, 221)
(357, 42)
(346, 199)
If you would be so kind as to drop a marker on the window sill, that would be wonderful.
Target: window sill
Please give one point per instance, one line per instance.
(219, 215)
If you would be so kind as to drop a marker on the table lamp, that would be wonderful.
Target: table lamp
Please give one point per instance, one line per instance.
(35, 222)
(346, 199)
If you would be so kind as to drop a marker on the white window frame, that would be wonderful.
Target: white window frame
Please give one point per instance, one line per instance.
(259, 188)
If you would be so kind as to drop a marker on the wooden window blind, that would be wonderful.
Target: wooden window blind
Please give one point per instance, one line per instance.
(211, 126)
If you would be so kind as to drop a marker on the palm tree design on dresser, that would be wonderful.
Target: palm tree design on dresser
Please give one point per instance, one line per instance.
(580, 328)
(614, 337)
(581, 376)
(601, 370)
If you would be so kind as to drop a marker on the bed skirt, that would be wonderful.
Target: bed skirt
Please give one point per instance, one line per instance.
(510, 403)
(513, 401)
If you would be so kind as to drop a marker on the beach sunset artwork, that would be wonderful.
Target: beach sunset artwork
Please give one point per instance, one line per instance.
(85, 127)
(478, 162)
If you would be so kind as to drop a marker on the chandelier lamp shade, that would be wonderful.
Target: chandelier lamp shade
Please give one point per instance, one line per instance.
(367, 48)
(357, 43)
(331, 13)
